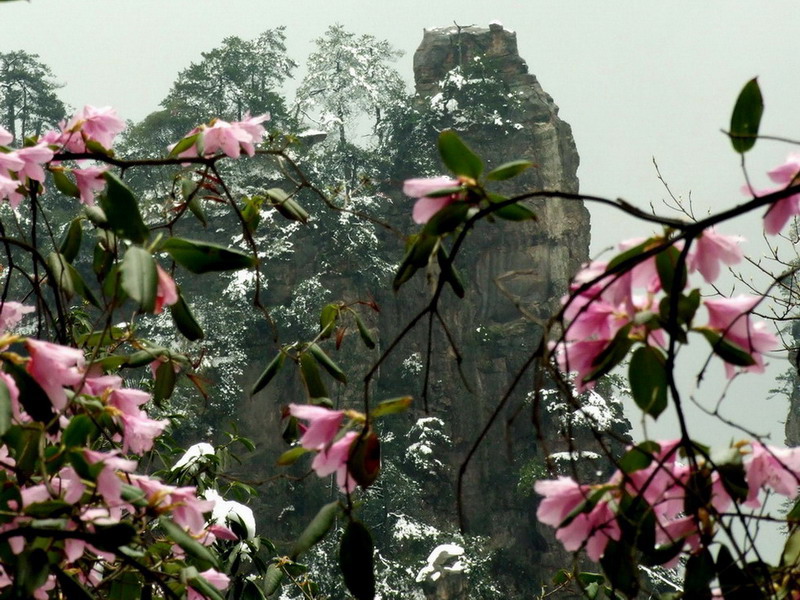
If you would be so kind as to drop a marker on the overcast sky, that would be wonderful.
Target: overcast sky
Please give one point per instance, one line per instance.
(636, 79)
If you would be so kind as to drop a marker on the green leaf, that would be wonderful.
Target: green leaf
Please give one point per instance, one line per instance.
(184, 320)
(366, 335)
(327, 320)
(139, 278)
(667, 266)
(612, 355)
(699, 575)
(286, 205)
(791, 550)
(5, 408)
(364, 461)
(746, 117)
(122, 210)
(627, 255)
(202, 257)
(648, 378)
(727, 351)
(317, 529)
(32, 569)
(126, 586)
(447, 219)
(78, 432)
(620, 568)
(183, 145)
(639, 457)
(68, 279)
(391, 406)
(64, 184)
(268, 374)
(327, 363)
(509, 170)
(71, 243)
(734, 582)
(457, 156)
(418, 255)
(356, 561)
(311, 378)
(190, 545)
(251, 591)
(291, 456)
(165, 382)
(272, 579)
(515, 212)
(32, 397)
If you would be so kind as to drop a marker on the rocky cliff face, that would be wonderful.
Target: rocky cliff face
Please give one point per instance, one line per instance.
(513, 269)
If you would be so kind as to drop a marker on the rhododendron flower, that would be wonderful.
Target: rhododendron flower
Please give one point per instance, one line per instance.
(215, 578)
(54, 367)
(731, 318)
(5, 137)
(334, 458)
(91, 123)
(139, 431)
(775, 468)
(34, 157)
(10, 162)
(166, 291)
(89, 181)
(230, 138)
(591, 529)
(425, 207)
(188, 509)
(323, 424)
(11, 313)
(711, 249)
(784, 209)
(109, 485)
(8, 190)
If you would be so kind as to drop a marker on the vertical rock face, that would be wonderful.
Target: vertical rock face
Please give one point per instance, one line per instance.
(512, 267)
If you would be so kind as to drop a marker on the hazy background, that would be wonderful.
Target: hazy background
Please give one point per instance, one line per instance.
(636, 79)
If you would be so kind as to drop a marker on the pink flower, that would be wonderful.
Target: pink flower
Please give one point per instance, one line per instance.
(426, 207)
(11, 313)
(323, 424)
(10, 162)
(730, 317)
(334, 459)
(98, 124)
(188, 509)
(166, 292)
(34, 157)
(591, 529)
(109, 485)
(215, 578)
(139, 431)
(779, 213)
(54, 367)
(128, 400)
(775, 468)
(5, 137)
(579, 357)
(230, 138)
(89, 180)
(711, 249)
(8, 190)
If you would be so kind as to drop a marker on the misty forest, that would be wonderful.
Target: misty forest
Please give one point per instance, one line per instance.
(350, 342)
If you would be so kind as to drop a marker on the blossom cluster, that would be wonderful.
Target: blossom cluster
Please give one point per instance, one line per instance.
(91, 485)
(323, 435)
(604, 304)
(90, 129)
(588, 516)
(231, 138)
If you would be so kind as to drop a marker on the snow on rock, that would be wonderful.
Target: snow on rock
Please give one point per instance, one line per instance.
(230, 511)
(193, 456)
(444, 559)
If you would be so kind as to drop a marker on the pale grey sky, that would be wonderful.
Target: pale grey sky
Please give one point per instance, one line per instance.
(636, 79)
